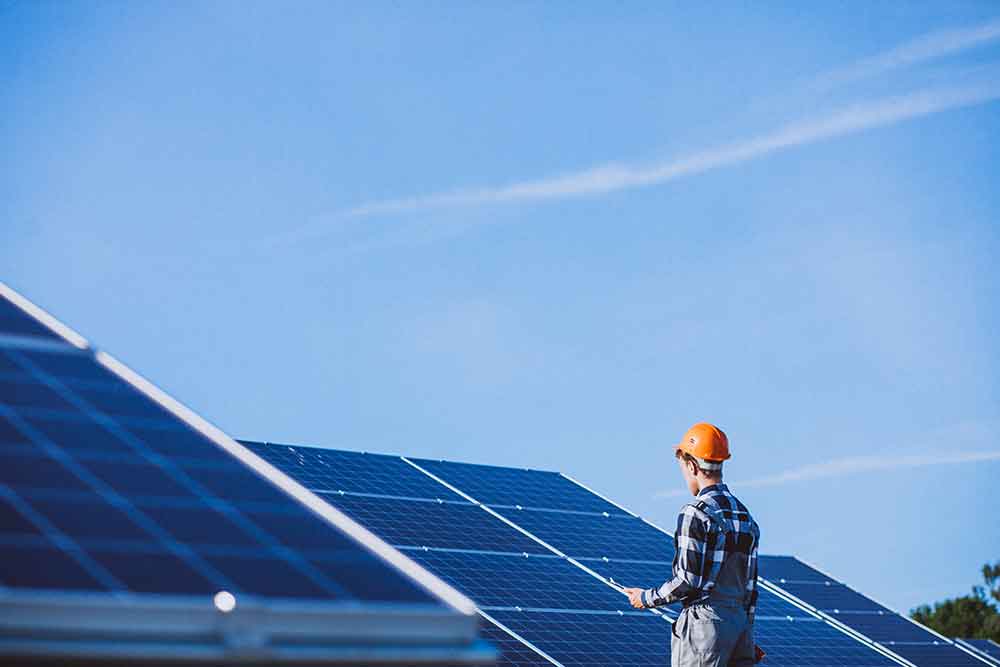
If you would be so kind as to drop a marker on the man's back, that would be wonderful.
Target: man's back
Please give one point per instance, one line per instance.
(714, 572)
(731, 542)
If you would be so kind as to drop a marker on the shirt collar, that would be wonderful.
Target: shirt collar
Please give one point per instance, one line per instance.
(715, 488)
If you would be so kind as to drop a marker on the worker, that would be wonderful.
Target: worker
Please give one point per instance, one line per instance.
(715, 563)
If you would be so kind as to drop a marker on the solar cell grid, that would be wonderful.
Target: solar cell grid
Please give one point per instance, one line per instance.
(15, 322)
(11, 370)
(493, 485)
(330, 470)
(34, 469)
(595, 535)
(936, 655)
(176, 441)
(43, 565)
(87, 502)
(70, 366)
(100, 390)
(80, 433)
(512, 651)
(10, 435)
(987, 646)
(812, 643)
(884, 627)
(639, 639)
(548, 582)
(119, 401)
(27, 393)
(454, 525)
(788, 568)
(829, 597)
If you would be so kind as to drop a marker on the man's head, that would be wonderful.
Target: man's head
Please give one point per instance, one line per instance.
(700, 455)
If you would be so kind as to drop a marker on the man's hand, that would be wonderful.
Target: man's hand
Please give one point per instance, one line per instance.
(635, 597)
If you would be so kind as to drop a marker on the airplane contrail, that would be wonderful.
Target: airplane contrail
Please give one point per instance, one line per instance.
(927, 47)
(618, 176)
(613, 177)
(853, 465)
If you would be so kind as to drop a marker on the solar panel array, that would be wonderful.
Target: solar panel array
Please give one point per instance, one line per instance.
(541, 556)
(986, 647)
(103, 489)
(878, 623)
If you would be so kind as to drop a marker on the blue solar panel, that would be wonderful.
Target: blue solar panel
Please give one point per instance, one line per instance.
(885, 627)
(830, 597)
(512, 651)
(563, 610)
(595, 535)
(936, 655)
(15, 322)
(429, 523)
(493, 485)
(331, 470)
(102, 489)
(862, 614)
(987, 646)
(631, 639)
(812, 643)
(788, 568)
(498, 580)
(43, 564)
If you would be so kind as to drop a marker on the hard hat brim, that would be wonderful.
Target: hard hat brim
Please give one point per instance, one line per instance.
(681, 447)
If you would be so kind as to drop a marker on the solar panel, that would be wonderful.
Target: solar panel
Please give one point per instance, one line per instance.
(550, 601)
(103, 488)
(430, 523)
(632, 638)
(512, 487)
(332, 471)
(885, 627)
(937, 655)
(595, 535)
(862, 614)
(105, 485)
(512, 651)
(789, 568)
(831, 597)
(812, 642)
(465, 545)
(15, 322)
(986, 646)
(504, 580)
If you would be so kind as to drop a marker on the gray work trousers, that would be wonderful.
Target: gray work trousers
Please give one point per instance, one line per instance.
(707, 635)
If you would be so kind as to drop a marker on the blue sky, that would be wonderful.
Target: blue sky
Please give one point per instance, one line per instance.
(550, 236)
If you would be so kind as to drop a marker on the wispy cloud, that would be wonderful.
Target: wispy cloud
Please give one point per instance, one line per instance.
(614, 177)
(621, 176)
(854, 465)
(925, 48)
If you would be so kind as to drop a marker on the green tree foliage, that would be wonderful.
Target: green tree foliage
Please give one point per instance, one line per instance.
(972, 616)
(991, 575)
(966, 617)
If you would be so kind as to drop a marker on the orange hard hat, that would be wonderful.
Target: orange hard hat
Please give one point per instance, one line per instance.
(706, 442)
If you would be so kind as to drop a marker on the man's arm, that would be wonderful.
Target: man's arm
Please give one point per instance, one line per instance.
(752, 583)
(692, 563)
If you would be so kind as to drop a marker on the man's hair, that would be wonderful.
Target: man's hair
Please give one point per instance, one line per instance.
(691, 459)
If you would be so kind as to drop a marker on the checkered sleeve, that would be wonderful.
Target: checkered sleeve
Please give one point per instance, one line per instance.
(752, 579)
(696, 562)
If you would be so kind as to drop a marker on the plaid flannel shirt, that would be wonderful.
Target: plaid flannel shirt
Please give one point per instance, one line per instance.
(702, 543)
